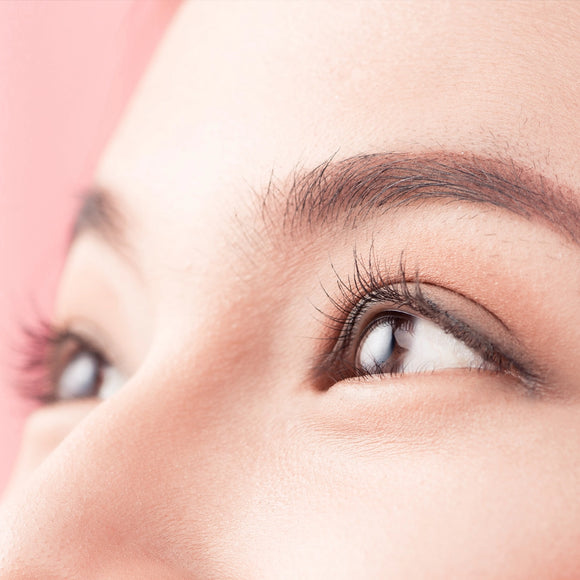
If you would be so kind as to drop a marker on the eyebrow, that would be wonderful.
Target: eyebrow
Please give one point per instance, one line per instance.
(349, 192)
(353, 190)
(100, 213)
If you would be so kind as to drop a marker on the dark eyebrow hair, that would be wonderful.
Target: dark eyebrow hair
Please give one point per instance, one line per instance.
(100, 213)
(353, 190)
(358, 188)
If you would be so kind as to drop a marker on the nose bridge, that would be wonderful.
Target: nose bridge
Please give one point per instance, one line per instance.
(150, 459)
(173, 454)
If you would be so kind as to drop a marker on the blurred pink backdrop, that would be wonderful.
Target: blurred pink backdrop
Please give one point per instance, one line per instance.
(66, 71)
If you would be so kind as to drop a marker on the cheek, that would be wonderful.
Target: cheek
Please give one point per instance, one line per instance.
(456, 489)
(466, 504)
(44, 431)
(343, 484)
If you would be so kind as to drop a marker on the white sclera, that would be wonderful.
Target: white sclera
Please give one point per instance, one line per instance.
(79, 378)
(430, 348)
(113, 380)
(426, 348)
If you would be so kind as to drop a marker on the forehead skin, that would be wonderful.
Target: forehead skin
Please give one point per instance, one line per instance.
(244, 88)
(239, 91)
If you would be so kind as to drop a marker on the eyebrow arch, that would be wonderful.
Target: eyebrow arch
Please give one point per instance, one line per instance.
(358, 188)
(100, 213)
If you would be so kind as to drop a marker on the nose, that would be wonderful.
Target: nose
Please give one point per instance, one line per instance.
(146, 486)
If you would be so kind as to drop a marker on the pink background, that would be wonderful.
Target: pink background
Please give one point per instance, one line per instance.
(66, 72)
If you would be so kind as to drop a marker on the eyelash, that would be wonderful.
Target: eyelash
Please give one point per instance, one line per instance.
(366, 288)
(369, 287)
(43, 360)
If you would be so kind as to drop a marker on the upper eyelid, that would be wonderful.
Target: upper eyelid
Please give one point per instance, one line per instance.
(369, 285)
(369, 277)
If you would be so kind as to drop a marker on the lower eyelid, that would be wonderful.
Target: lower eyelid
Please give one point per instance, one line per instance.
(436, 386)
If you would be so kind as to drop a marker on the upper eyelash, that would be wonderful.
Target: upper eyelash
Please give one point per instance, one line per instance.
(33, 381)
(370, 285)
(358, 291)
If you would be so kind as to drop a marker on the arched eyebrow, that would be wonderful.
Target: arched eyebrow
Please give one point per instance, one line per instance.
(100, 213)
(346, 193)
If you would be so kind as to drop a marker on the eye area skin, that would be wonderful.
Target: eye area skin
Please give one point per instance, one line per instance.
(381, 324)
(72, 367)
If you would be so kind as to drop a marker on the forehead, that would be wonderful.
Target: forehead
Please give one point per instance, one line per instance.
(240, 91)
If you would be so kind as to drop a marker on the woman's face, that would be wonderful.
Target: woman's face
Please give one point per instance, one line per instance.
(334, 264)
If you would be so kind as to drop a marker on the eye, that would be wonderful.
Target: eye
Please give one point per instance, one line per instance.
(383, 323)
(81, 371)
(399, 342)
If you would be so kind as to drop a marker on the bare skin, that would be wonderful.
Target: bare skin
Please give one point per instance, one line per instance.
(235, 447)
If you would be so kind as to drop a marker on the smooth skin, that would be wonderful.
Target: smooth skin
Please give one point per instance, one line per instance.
(221, 457)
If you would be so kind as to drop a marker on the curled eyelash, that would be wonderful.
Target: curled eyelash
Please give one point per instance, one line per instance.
(369, 285)
(39, 365)
(33, 366)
